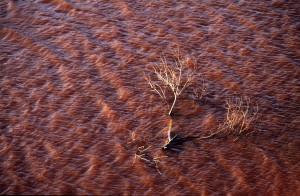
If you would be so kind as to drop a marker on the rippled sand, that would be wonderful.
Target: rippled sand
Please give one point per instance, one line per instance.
(78, 117)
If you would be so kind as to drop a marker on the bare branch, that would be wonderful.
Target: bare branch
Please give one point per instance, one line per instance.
(175, 76)
(199, 92)
(239, 118)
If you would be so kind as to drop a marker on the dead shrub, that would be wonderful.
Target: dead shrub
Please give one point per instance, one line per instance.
(172, 77)
(240, 116)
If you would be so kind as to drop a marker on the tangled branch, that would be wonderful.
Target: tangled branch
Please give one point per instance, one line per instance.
(239, 118)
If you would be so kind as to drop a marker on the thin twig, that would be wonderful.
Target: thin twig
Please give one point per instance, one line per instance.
(174, 76)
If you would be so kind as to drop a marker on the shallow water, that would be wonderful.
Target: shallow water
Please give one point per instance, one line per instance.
(78, 117)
